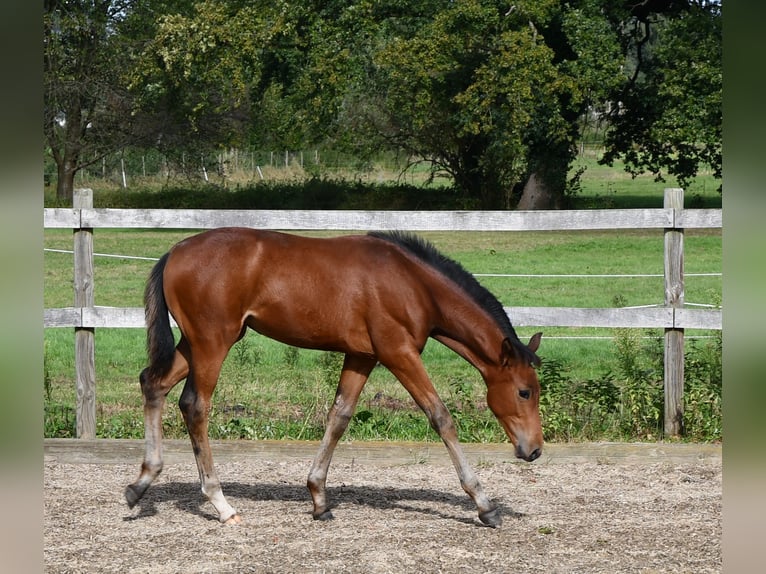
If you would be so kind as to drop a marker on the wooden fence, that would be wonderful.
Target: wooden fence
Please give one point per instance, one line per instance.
(674, 318)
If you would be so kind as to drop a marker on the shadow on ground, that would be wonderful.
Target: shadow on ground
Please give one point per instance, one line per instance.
(187, 497)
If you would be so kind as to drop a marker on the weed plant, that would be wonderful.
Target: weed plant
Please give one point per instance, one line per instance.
(628, 403)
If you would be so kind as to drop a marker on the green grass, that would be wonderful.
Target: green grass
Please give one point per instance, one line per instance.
(606, 187)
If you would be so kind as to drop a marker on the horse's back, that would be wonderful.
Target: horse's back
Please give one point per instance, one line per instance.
(258, 256)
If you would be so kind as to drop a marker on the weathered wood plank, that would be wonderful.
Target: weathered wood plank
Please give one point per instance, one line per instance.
(61, 218)
(369, 220)
(650, 317)
(658, 317)
(699, 218)
(383, 453)
(372, 220)
(85, 372)
(62, 317)
(362, 220)
(674, 336)
(698, 319)
(116, 317)
(133, 317)
(84, 337)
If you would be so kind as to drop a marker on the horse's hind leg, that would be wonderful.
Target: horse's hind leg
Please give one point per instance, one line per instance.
(352, 379)
(195, 407)
(154, 393)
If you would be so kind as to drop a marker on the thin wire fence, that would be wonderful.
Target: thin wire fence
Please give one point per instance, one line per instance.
(126, 167)
(516, 275)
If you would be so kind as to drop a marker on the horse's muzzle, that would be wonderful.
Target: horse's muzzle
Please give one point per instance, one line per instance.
(529, 457)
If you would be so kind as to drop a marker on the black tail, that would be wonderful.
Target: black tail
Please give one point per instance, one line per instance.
(160, 343)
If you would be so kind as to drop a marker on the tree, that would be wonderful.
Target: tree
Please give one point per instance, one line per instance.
(89, 46)
(463, 91)
(91, 50)
(308, 71)
(494, 95)
(666, 116)
(588, 61)
(193, 79)
(85, 108)
(488, 91)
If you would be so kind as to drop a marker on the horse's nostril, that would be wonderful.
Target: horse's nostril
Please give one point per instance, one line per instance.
(535, 454)
(529, 457)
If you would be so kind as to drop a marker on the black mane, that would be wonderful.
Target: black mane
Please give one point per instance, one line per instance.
(454, 271)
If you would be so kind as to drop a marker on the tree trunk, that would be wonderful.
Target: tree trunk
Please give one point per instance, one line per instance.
(537, 194)
(65, 183)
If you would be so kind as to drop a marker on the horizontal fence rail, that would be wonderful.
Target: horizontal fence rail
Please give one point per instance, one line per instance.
(296, 219)
(674, 318)
(638, 318)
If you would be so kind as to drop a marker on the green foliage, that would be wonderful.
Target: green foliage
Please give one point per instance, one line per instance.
(330, 364)
(576, 410)
(627, 404)
(245, 353)
(462, 93)
(474, 421)
(670, 116)
(642, 391)
(59, 420)
(381, 424)
(291, 356)
(703, 378)
(85, 102)
(197, 70)
(121, 425)
(484, 91)
(46, 373)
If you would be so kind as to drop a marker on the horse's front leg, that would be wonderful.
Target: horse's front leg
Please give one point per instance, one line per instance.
(488, 511)
(412, 374)
(354, 375)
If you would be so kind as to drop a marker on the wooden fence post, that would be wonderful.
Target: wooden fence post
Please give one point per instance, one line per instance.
(674, 338)
(84, 338)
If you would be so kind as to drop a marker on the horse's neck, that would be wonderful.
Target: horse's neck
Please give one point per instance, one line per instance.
(470, 331)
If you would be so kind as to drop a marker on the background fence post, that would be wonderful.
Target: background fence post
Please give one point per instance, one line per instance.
(84, 338)
(674, 338)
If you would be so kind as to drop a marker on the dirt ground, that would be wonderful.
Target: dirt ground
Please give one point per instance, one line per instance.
(398, 508)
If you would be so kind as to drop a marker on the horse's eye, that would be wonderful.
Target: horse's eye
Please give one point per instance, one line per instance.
(524, 394)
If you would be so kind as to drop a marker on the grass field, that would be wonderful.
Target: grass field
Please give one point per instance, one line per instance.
(268, 390)
(612, 187)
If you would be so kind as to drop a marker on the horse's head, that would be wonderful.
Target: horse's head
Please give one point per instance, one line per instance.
(513, 395)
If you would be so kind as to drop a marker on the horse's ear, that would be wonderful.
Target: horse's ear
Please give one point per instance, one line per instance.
(534, 342)
(511, 353)
(507, 353)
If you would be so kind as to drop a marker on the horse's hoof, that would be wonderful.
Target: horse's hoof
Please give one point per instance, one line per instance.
(491, 518)
(132, 496)
(233, 520)
(326, 515)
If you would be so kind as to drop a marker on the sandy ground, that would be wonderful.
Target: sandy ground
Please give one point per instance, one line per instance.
(398, 508)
